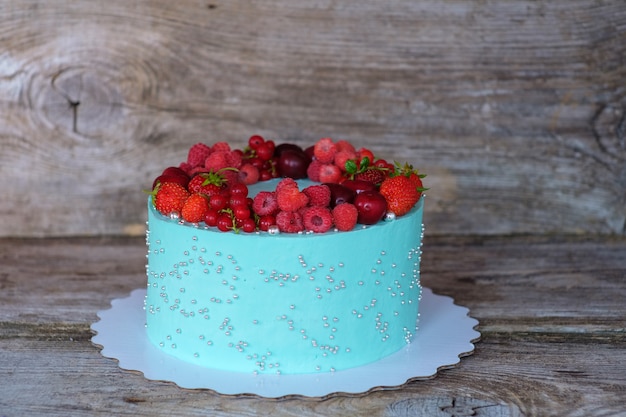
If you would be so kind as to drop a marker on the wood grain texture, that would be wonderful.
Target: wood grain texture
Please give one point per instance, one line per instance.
(515, 109)
(550, 308)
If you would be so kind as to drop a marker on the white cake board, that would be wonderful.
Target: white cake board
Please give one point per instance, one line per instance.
(446, 333)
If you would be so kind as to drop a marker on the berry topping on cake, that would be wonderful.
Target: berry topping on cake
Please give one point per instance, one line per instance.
(317, 219)
(345, 216)
(170, 198)
(355, 187)
(400, 193)
(195, 208)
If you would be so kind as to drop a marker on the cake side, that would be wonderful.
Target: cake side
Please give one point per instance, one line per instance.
(285, 303)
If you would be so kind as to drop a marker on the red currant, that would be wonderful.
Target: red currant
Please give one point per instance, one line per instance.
(255, 141)
(266, 221)
(210, 218)
(218, 202)
(238, 200)
(265, 175)
(265, 151)
(224, 222)
(241, 212)
(239, 189)
(248, 225)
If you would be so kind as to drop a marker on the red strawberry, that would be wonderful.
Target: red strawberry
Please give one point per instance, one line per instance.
(400, 193)
(325, 150)
(317, 219)
(195, 208)
(198, 153)
(371, 174)
(265, 203)
(170, 198)
(208, 183)
(345, 216)
(416, 178)
(319, 195)
(289, 222)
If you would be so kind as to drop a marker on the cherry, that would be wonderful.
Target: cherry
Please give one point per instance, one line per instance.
(371, 206)
(339, 194)
(358, 186)
(293, 164)
(286, 146)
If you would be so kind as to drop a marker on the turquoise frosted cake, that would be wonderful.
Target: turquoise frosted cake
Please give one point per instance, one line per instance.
(322, 278)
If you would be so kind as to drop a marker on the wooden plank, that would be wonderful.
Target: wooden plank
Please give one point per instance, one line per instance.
(515, 109)
(550, 309)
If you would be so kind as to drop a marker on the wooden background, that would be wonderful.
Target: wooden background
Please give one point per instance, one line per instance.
(515, 109)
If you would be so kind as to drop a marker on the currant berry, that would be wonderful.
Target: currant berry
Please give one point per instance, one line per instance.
(218, 202)
(210, 218)
(224, 222)
(239, 189)
(255, 141)
(248, 225)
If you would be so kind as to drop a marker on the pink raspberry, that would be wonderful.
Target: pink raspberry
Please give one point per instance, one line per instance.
(265, 203)
(342, 157)
(186, 168)
(216, 161)
(344, 145)
(248, 174)
(319, 195)
(325, 150)
(220, 147)
(234, 159)
(286, 183)
(291, 199)
(313, 170)
(345, 216)
(289, 222)
(198, 153)
(317, 219)
(330, 173)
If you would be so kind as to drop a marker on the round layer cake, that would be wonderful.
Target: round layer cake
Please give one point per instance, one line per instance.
(277, 302)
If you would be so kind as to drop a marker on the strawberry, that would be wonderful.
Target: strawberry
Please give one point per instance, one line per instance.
(169, 198)
(371, 174)
(208, 183)
(408, 171)
(345, 216)
(365, 172)
(317, 219)
(195, 208)
(400, 193)
(325, 150)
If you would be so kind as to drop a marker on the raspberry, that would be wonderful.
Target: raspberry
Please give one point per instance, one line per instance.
(319, 195)
(216, 161)
(330, 173)
(248, 174)
(345, 216)
(291, 199)
(342, 157)
(220, 147)
(265, 203)
(344, 145)
(285, 183)
(313, 170)
(325, 150)
(289, 222)
(234, 159)
(317, 219)
(198, 153)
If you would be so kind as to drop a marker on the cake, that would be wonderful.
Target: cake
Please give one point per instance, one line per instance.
(315, 279)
